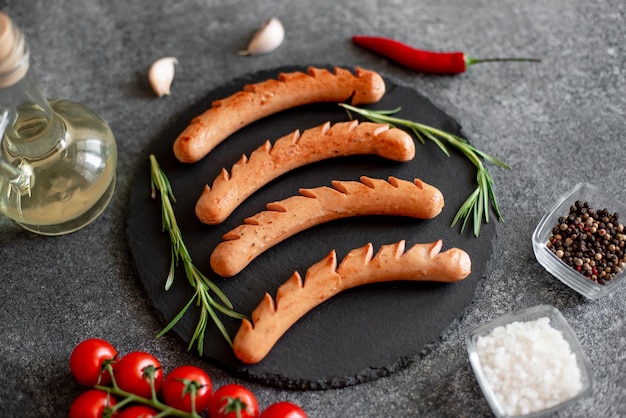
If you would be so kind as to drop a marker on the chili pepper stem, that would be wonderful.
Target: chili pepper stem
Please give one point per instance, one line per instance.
(471, 61)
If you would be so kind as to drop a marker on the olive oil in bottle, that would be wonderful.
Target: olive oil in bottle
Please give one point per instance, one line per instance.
(57, 157)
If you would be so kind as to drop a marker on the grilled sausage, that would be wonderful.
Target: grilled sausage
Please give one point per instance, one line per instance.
(268, 162)
(259, 100)
(322, 204)
(323, 280)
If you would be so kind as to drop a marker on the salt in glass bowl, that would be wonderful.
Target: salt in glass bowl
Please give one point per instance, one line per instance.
(559, 323)
(597, 200)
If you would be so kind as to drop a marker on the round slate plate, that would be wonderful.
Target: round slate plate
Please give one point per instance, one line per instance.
(357, 336)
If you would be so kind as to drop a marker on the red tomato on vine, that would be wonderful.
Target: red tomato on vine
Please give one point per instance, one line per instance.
(233, 401)
(185, 382)
(283, 410)
(134, 371)
(138, 411)
(88, 360)
(92, 404)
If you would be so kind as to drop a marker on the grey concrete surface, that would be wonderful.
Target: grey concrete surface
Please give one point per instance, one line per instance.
(556, 123)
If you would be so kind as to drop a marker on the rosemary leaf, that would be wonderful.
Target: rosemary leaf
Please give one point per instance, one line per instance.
(172, 272)
(177, 318)
(483, 198)
(204, 287)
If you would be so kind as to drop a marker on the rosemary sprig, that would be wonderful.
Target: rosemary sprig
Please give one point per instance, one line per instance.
(205, 288)
(476, 206)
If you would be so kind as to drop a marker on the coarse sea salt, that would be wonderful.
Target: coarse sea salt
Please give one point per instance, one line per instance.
(529, 366)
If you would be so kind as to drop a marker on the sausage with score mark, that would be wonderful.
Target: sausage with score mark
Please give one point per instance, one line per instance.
(323, 280)
(259, 100)
(286, 218)
(269, 161)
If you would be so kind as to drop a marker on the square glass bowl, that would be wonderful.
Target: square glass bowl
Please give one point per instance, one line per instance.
(597, 200)
(558, 322)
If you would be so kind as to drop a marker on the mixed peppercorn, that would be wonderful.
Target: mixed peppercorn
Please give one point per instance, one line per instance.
(592, 242)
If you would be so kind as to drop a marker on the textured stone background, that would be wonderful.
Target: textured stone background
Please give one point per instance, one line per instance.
(556, 123)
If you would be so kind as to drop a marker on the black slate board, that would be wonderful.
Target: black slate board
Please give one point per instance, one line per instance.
(357, 336)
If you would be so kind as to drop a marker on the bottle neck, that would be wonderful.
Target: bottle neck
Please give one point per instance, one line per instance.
(29, 114)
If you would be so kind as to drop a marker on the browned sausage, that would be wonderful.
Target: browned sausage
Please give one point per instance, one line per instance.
(322, 204)
(268, 162)
(259, 100)
(323, 280)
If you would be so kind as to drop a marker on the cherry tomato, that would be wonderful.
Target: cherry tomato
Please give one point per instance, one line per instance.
(138, 411)
(92, 404)
(132, 373)
(181, 382)
(88, 360)
(233, 401)
(283, 410)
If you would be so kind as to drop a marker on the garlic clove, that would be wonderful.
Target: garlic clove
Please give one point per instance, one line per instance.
(266, 39)
(161, 75)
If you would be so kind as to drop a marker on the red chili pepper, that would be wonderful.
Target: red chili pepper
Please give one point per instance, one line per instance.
(421, 60)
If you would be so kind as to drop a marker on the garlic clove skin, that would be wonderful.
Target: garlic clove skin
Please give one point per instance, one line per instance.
(161, 75)
(266, 39)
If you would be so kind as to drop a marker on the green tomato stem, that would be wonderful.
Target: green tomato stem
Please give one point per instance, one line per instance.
(153, 402)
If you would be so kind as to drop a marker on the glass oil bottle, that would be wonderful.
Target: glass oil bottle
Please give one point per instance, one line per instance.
(57, 157)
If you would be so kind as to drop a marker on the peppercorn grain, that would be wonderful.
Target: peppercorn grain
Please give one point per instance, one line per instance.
(591, 242)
